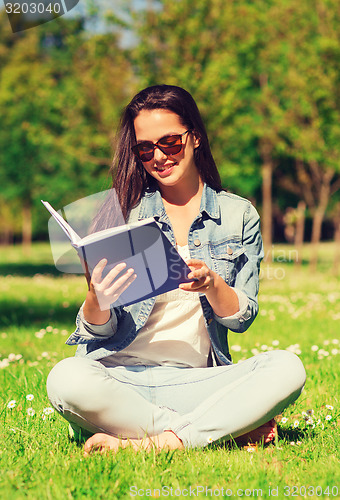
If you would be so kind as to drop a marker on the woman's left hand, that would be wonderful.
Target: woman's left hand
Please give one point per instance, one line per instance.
(204, 277)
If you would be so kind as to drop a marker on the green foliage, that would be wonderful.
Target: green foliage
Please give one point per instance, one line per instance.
(265, 75)
(61, 94)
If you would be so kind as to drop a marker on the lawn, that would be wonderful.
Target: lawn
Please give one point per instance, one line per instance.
(299, 311)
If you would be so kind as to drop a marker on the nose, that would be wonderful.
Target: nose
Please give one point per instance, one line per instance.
(159, 156)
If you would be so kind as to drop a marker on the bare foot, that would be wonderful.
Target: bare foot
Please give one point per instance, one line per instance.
(265, 433)
(104, 442)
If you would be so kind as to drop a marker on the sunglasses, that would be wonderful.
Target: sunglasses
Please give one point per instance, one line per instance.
(169, 145)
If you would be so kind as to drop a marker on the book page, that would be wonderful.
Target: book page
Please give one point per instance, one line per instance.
(72, 235)
(106, 233)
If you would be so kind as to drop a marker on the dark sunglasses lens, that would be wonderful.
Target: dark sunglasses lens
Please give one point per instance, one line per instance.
(143, 151)
(171, 145)
(146, 156)
(170, 140)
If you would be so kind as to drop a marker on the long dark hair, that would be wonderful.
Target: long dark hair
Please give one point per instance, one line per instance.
(130, 179)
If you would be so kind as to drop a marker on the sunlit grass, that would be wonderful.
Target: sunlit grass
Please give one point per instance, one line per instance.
(298, 311)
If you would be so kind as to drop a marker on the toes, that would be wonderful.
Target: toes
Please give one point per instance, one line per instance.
(98, 442)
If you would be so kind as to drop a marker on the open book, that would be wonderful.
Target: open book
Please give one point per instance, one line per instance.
(141, 245)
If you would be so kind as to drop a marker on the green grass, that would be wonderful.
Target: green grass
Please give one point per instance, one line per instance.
(38, 461)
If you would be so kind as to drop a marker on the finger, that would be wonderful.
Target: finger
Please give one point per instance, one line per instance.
(190, 287)
(112, 274)
(195, 262)
(199, 273)
(197, 286)
(115, 283)
(120, 286)
(208, 282)
(97, 271)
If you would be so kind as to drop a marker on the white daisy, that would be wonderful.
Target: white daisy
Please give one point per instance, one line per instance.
(48, 411)
(12, 404)
(4, 363)
(235, 348)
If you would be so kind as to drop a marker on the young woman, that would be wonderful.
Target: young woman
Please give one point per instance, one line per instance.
(158, 373)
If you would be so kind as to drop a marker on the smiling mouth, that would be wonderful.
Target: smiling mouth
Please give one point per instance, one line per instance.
(164, 168)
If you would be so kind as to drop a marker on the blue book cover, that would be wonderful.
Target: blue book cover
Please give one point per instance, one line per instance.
(141, 245)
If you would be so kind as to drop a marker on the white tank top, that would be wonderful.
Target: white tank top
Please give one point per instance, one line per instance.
(174, 334)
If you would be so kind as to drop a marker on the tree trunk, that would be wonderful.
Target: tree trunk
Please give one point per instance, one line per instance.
(299, 231)
(337, 241)
(27, 226)
(267, 209)
(315, 239)
(7, 237)
(317, 226)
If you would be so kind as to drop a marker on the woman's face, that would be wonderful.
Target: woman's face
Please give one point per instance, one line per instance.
(168, 170)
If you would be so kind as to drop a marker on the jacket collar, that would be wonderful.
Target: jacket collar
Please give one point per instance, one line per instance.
(152, 204)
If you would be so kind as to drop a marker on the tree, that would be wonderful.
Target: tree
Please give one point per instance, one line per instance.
(21, 79)
(61, 94)
(224, 54)
(312, 119)
(265, 75)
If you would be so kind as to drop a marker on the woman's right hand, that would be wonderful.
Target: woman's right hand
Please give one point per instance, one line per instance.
(104, 291)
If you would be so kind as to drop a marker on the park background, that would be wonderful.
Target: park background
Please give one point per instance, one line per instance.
(266, 77)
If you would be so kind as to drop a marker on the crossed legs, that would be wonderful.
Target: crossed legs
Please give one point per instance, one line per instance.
(174, 407)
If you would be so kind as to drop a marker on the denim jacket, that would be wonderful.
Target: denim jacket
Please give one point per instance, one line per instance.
(226, 236)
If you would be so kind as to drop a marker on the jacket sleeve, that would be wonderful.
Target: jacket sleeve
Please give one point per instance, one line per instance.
(246, 284)
(86, 332)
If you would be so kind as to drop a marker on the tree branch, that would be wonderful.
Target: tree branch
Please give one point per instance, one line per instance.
(335, 186)
(305, 181)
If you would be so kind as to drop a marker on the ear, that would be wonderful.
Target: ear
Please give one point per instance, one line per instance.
(197, 139)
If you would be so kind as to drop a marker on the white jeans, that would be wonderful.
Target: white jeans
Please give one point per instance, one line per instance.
(199, 405)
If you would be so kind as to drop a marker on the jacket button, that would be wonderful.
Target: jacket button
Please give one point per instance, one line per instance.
(197, 242)
(229, 250)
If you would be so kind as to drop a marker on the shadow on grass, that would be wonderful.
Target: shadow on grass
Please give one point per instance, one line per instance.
(27, 269)
(33, 310)
(294, 434)
(15, 313)
(288, 435)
